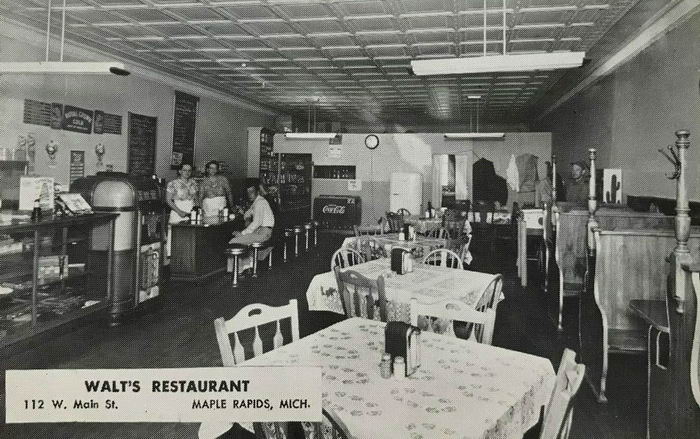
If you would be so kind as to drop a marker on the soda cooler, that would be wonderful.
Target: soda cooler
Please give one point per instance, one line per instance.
(139, 241)
(337, 212)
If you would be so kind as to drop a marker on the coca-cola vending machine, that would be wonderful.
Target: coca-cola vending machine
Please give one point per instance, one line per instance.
(337, 212)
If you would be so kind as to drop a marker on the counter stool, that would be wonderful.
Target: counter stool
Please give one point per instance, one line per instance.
(315, 223)
(235, 251)
(287, 235)
(307, 227)
(256, 246)
(297, 231)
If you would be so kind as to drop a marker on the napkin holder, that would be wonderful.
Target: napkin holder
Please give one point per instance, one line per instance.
(399, 257)
(403, 340)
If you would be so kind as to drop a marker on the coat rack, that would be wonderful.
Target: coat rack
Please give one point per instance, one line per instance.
(675, 161)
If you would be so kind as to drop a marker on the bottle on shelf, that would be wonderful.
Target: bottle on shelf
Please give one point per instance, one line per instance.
(194, 214)
(36, 212)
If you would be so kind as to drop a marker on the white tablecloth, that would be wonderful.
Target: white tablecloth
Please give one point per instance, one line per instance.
(462, 390)
(427, 283)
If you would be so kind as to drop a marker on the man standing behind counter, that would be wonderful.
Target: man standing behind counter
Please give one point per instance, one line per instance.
(577, 186)
(259, 229)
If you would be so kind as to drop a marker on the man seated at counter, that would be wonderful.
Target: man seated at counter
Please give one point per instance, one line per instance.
(215, 191)
(261, 221)
(577, 186)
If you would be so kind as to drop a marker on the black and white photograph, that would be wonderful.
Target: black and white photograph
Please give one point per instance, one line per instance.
(350, 219)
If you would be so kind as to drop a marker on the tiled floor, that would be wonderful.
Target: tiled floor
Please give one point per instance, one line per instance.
(181, 334)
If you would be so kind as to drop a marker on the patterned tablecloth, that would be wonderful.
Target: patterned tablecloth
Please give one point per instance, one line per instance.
(427, 283)
(421, 246)
(462, 390)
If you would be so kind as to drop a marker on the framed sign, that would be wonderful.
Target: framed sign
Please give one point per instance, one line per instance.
(141, 156)
(77, 119)
(77, 165)
(184, 129)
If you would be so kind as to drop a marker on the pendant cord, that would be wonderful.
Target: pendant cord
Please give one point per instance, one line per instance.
(48, 31)
(63, 28)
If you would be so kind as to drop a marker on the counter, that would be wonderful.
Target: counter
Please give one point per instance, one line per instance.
(197, 250)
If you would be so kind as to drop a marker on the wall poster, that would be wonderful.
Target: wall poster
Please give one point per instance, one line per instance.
(77, 119)
(106, 123)
(77, 165)
(141, 158)
(184, 129)
(37, 113)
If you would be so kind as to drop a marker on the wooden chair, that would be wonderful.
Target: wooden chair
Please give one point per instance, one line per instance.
(560, 411)
(482, 322)
(395, 222)
(368, 230)
(254, 316)
(370, 248)
(403, 212)
(332, 427)
(439, 233)
(443, 257)
(346, 257)
(358, 294)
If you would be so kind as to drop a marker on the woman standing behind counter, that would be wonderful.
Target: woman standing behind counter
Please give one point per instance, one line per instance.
(181, 195)
(215, 191)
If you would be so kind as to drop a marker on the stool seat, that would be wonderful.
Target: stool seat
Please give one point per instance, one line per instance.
(257, 245)
(288, 233)
(308, 226)
(235, 249)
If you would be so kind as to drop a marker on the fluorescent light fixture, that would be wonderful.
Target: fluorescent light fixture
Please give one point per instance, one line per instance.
(71, 68)
(498, 63)
(474, 136)
(310, 136)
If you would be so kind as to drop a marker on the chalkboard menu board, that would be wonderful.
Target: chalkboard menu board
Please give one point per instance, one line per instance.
(184, 125)
(37, 113)
(142, 144)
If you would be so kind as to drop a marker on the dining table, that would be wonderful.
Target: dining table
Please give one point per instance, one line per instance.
(426, 283)
(462, 389)
(420, 246)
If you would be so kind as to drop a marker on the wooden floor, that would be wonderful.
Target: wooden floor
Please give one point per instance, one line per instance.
(181, 334)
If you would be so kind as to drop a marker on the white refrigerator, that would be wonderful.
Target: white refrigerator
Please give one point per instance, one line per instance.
(406, 192)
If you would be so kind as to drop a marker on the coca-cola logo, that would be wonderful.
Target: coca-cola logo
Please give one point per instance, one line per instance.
(334, 209)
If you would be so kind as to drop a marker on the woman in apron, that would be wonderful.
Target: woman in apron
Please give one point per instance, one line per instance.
(215, 191)
(181, 194)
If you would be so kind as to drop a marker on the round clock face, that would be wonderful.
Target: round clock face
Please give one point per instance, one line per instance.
(371, 141)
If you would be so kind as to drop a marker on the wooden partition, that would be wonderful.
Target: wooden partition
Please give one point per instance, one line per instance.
(674, 381)
(572, 250)
(630, 264)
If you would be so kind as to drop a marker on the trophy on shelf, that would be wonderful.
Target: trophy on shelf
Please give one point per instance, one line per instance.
(100, 153)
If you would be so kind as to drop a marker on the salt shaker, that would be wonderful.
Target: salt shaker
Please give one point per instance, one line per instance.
(399, 368)
(385, 366)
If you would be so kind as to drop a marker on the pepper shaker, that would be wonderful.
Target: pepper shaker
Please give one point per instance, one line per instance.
(385, 366)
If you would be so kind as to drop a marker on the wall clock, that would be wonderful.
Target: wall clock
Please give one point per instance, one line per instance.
(372, 141)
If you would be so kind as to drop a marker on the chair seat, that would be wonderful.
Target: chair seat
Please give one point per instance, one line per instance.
(236, 249)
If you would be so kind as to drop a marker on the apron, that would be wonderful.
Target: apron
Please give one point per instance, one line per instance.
(212, 206)
(185, 205)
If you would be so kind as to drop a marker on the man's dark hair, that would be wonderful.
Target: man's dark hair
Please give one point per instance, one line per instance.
(212, 162)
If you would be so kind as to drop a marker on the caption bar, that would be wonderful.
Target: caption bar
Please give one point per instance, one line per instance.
(230, 394)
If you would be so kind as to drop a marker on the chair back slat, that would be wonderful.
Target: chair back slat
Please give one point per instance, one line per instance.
(368, 230)
(559, 414)
(346, 257)
(444, 258)
(481, 322)
(278, 340)
(491, 296)
(358, 294)
(403, 212)
(439, 233)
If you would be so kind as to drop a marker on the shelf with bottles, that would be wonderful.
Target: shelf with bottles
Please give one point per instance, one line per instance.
(335, 172)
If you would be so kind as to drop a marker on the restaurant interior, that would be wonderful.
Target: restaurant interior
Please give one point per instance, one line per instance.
(478, 217)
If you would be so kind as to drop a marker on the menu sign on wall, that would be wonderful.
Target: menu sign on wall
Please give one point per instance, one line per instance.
(77, 119)
(184, 129)
(106, 123)
(37, 113)
(141, 144)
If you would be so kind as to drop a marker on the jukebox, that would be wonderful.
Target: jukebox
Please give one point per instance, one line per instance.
(139, 241)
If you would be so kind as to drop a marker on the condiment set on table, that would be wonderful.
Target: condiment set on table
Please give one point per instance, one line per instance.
(402, 346)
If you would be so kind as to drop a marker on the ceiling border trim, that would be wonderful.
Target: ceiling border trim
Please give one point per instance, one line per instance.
(663, 22)
(18, 31)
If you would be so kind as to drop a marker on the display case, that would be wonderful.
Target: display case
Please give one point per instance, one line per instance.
(294, 180)
(47, 275)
